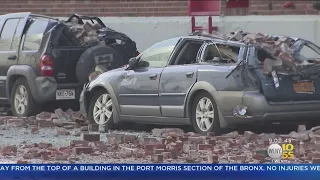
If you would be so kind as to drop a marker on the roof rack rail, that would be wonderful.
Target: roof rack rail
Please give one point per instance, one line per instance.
(204, 34)
(43, 16)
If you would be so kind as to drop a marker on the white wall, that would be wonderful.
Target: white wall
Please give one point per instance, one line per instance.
(148, 30)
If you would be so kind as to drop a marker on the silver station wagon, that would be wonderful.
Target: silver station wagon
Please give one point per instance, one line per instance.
(210, 82)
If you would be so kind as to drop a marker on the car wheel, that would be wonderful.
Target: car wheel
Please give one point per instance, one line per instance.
(204, 116)
(101, 109)
(22, 102)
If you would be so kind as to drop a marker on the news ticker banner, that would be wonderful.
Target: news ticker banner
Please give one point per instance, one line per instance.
(156, 171)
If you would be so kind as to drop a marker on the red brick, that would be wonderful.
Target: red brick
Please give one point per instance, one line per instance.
(22, 162)
(93, 127)
(61, 157)
(100, 146)
(43, 116)
(207, 147)
(84, 150)
(183, 138)
(179, 144)
(315, 160)
(158, 151)
(192, 154)
(63, 133)
(78, 143)
(212, 142)
(2, 122)
(73, 159)
(222, 138)
(34, 130)
(187, 147)
(45, 156)
(174, 153)
(258, 156)
(84, 128)
(213, 159)
(128, 152)
(90, 137)
(166, 155)
(154, 146)
(45, 124)
(67, 151)
(44, 145)
(197, 140)
(149, 140)
(157, 158)
(127, 138)
(115, 138)
(8, 150)
(17, 122)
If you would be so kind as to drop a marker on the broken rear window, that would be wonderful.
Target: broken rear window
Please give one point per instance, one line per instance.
(309, 51)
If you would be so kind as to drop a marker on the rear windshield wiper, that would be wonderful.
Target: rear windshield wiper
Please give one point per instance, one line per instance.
(238, 65)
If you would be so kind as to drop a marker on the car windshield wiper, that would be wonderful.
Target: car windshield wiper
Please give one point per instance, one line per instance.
(238, 65)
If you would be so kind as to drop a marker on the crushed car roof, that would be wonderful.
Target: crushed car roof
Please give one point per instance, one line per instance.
(276, 47)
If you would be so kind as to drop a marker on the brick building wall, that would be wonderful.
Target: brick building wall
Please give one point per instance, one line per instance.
(146, 7)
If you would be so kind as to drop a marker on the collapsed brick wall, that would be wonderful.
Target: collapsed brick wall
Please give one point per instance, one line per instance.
(145, 7)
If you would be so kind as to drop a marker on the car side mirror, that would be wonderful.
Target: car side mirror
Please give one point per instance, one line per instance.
(133, 62)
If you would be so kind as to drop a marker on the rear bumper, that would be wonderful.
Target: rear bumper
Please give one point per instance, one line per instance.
(44, 89)
(260, 110)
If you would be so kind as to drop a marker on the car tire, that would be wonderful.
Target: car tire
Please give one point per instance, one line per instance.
(204, 114)
(99, 118)
(109, 59)
(22, 102)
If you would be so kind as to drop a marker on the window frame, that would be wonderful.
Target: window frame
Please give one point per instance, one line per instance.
(26, 32)
(240, 46)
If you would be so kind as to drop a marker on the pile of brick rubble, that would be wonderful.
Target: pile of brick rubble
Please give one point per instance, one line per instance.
(65, 137)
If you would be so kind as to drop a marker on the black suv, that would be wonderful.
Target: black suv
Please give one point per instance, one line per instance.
(45, 60)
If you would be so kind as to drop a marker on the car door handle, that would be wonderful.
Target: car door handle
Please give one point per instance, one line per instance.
(12, 57)
(189, 74)
(153, 76)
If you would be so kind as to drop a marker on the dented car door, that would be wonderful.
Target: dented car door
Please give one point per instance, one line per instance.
(139, 87)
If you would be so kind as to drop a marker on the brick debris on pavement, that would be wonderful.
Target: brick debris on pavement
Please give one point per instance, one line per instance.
(65, 137)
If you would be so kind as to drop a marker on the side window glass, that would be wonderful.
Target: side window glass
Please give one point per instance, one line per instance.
(188, 54)
(7, 34)
(217, 53)
(17, 34)
(34, 35)
(158, 54)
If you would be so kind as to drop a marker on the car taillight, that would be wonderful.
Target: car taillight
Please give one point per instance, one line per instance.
(46, 65)
(137, 53)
